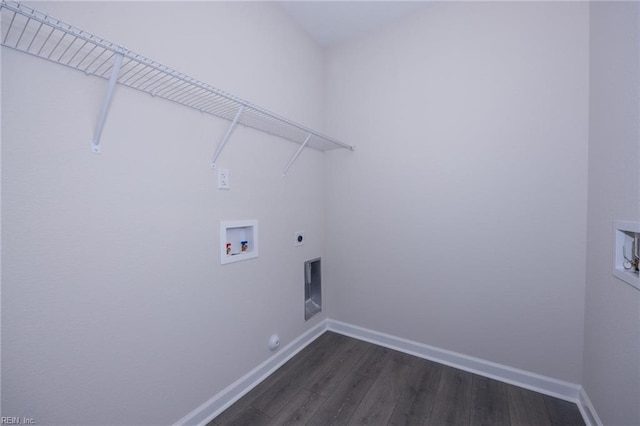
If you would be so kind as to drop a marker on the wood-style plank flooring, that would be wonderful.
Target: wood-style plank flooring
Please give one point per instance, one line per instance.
(338, 380)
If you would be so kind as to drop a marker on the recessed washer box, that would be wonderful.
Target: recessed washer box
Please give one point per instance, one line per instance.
(625, 262)
(238, 240)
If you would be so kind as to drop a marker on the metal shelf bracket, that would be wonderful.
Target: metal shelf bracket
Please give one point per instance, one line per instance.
(111, 87)
(296, 155)
(224, 140)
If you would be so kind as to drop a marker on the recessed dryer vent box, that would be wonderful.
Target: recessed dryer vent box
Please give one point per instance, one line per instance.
(312, 288)
(626, 252)
(238, 240)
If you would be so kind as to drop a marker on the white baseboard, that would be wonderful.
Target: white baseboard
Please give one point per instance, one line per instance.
(525, 379)
(587, 410)
(225, 398)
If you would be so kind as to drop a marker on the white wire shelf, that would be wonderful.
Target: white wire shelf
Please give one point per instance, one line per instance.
(30, 31)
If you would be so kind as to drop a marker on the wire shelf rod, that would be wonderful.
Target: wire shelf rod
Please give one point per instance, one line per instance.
(23, 30)
(77, 51)
(149, 71)
(140, 69)
(191, 95)
(34, 38)
(44, 43)
(6, 36)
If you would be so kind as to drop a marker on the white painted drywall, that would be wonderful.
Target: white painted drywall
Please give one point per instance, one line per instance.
(612, 327)
(460, 221)
(116, 309)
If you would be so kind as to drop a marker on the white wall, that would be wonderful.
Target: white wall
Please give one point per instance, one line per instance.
(115, 307)
(612, 323)
(460, 221)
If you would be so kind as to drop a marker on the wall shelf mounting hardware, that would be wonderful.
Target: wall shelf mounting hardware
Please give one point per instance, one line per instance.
(30, 31)
(111, 87)
(226, 136)
(297, 154)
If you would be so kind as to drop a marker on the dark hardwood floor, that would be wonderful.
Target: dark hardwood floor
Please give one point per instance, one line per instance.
(339, 380)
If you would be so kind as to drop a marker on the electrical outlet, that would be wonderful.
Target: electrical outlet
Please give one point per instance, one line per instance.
(299, 238)
(223, 179)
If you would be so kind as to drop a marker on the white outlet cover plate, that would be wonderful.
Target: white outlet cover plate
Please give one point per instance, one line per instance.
(223, 179)
(296, 236)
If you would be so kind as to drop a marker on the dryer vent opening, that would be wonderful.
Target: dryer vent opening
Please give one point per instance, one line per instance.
(312, 288)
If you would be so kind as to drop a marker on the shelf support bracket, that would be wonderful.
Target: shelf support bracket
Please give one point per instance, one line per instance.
(117, 63)
(224, 140)
(296, 155)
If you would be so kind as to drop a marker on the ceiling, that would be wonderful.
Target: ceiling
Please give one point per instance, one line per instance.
(332, 22)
